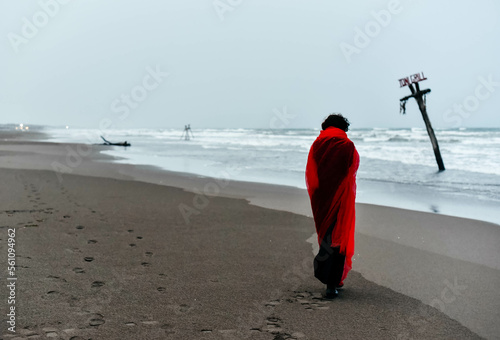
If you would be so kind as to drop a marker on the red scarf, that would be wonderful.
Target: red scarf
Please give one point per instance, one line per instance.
(331, 183)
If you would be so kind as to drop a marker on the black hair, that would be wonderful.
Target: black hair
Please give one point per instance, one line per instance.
(336, 120)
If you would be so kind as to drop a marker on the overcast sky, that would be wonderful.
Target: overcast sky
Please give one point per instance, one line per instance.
(249, 64)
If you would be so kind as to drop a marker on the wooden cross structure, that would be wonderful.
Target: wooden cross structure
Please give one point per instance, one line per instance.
(419, 96)
(187, 133)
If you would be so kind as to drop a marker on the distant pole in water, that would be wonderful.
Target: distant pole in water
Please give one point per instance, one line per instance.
(187, 133)
(419, 96)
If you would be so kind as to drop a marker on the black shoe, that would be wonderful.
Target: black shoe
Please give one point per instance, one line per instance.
(331, 293)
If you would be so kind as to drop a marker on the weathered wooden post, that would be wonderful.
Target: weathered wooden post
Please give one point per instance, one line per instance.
(186, 132)
(419, 96)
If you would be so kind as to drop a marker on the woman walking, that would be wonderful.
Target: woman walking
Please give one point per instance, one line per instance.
(331, 183)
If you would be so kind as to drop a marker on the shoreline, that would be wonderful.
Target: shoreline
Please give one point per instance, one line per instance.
(386, 248)
(152, 174)
(371, 192)
(374, 192)
(272, 196)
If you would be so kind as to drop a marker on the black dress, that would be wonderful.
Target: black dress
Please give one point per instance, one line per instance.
(329, 263)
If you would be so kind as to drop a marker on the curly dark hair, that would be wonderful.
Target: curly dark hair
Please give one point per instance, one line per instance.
(336, 120)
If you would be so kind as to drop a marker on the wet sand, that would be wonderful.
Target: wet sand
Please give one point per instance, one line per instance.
(101, 254)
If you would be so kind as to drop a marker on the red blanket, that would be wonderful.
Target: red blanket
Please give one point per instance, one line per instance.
(331, 183)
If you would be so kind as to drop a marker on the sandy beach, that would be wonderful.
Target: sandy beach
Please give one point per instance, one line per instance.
(117, 251)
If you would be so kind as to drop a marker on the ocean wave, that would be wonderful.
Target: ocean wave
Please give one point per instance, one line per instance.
(398, 139)
(392, 155)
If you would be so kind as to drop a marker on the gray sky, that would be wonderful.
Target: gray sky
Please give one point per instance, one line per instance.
(258, 63)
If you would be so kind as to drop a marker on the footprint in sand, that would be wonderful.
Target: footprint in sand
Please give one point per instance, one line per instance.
(57, 278)
(79, 270)
(273, 326)
(91, 241)
(146, 264)
(273, 303)
(51, 332)
(96, 322)
(130, 230)
(139, 237)
(88, 259)
(161, 289)
(97, 284)
(52, 294)
(80, 227)
(148, 254)
(311, 301)
(181, 309)
(132, 244)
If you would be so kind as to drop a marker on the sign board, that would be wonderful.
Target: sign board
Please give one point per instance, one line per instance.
(414, 78)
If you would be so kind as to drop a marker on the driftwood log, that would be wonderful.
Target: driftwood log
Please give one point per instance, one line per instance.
(106, 142)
